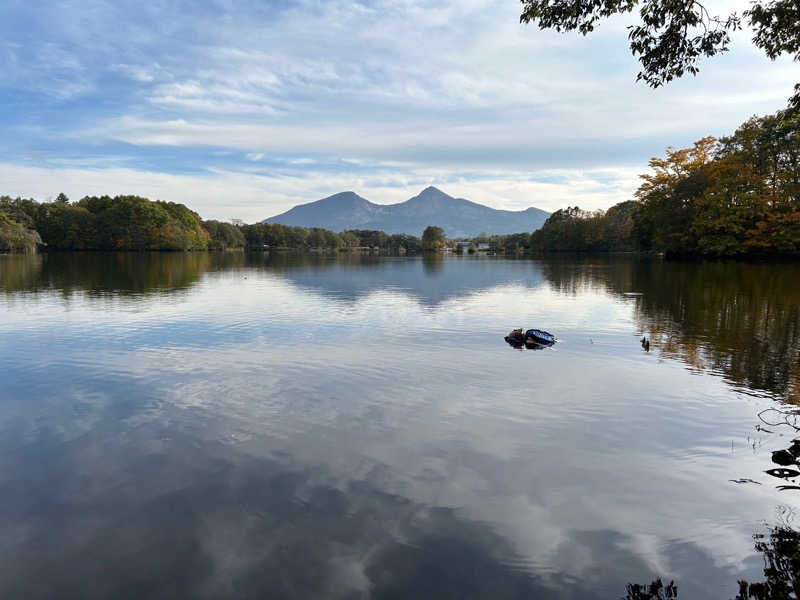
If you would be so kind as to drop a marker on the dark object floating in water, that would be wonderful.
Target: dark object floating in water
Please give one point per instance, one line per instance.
(539, 337)
(783, 473)
(783, 458)
(744, 480)
(516, 337)
(532, 338)
(794, 449)
(646, 344)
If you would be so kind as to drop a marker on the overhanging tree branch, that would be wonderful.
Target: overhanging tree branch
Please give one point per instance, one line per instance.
(673, 36)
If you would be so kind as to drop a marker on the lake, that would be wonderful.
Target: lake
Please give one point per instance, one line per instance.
(250, 426)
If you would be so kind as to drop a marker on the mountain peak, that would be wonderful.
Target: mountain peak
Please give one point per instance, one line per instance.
(433, 191)
(344, 196)
(430, 194)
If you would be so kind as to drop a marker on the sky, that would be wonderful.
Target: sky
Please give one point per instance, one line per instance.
(242, 109)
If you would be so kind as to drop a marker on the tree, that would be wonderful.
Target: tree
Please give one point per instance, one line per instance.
(223, 235)
(674, 35)
(349, 239)
(433, 238)
(670, 195)
(14, 237)
(619, 223)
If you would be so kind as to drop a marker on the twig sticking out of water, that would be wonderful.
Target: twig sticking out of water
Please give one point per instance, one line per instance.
(788, 418)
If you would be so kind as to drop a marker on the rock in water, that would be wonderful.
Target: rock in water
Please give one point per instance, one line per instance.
(783, 458)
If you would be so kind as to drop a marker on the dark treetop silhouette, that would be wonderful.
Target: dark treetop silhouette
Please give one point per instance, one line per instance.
(672, 37)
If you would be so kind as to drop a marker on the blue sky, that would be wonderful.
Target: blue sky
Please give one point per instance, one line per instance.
(241, 109)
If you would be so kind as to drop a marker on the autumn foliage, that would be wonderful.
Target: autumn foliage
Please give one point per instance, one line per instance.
(733, 196)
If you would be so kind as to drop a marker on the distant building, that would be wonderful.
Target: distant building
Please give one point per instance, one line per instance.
(472, 246)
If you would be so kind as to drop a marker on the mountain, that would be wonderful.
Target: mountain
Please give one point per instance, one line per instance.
(458, 217)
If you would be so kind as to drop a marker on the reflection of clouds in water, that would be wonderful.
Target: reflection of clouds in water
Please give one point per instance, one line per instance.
(536, 470)
(214, 521)
(270, 425)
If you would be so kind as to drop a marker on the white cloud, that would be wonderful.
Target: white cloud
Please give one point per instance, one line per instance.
(137, 72)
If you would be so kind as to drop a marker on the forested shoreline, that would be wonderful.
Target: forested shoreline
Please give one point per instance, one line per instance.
(132, 223)
(737, 196)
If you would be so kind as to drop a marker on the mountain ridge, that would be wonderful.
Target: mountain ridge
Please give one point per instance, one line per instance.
(458, 217)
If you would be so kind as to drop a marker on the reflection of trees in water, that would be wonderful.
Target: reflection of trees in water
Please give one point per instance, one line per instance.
(656, 590)
(294, 261)
(739, 319)
(780, 550)
(121, 273)
(19, 271)
(432, 263)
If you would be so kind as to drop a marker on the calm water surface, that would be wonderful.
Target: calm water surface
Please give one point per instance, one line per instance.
(211, 426)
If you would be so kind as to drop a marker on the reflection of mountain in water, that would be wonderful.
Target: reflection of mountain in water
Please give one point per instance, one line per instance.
(742, 320)
(431, 279)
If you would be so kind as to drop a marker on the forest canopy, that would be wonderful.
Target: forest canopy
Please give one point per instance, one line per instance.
(105, 223)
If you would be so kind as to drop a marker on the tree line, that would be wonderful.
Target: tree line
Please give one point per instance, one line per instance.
(274, 235)
(135, 223)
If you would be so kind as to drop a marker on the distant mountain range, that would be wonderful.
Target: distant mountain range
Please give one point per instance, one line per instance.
(458, 217)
